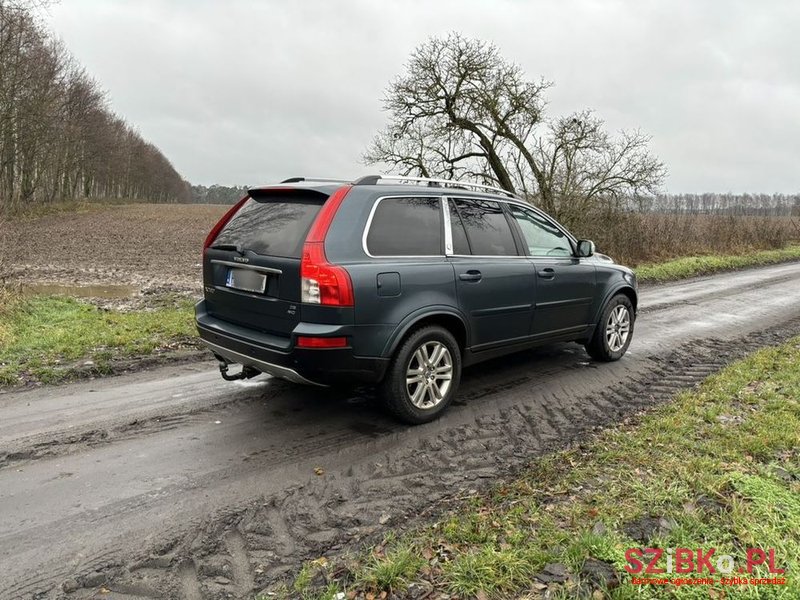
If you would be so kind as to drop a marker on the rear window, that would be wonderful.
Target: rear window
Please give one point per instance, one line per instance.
(406, 227)
(273, 226)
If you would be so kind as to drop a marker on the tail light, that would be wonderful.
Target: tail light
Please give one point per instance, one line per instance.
(212, 235)
(321, 342)
(322, 282)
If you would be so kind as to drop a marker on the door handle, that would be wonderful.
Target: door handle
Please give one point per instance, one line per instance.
(471, 275)
(547, 273)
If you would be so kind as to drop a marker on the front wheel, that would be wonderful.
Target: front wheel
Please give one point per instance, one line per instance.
(423, 377)
(614, 330)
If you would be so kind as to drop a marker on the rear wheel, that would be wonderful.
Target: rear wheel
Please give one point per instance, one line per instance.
(614, 330)
(423, 377)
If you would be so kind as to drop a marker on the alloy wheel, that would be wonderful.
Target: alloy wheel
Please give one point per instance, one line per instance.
(429, 375)
(618, 327)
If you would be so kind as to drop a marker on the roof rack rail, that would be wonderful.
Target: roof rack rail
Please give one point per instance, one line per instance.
(322, 179)
(375, 179)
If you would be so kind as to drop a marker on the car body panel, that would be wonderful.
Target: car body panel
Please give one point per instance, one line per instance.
(498, 305)
(565, 294)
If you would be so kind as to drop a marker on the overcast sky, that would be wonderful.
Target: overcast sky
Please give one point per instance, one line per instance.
(246, 92)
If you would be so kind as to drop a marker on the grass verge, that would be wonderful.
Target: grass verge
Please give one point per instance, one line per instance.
(51, 339)
(690, 266)
(717, 468)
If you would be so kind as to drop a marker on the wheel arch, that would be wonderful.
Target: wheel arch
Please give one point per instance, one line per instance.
(631, 294)
(619, 289)
(444, 316)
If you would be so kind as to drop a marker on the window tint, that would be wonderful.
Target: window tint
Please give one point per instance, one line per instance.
(275, 228)
(488, 231)
(406, 227)
(542, 238)
(460, 243)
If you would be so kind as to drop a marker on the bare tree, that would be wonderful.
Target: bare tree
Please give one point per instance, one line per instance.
(461, 110)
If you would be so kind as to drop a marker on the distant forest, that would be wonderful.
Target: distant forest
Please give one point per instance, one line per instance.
(59, 140)
(741, 204)
(217, 194)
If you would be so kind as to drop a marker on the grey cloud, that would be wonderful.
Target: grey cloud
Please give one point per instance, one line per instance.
(248, 92)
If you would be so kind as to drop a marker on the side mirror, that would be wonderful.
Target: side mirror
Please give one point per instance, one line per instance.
(585, 248)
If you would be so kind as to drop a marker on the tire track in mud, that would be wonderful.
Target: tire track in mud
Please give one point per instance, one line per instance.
(251, 549)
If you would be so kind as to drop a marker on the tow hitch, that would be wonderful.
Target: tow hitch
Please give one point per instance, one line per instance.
(245, 373)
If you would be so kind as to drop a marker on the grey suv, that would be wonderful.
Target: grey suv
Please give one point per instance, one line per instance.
(400, 282)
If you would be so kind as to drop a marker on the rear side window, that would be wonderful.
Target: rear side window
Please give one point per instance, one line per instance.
(406, 227)
(460, 242)
(275, 225)
(487, 228)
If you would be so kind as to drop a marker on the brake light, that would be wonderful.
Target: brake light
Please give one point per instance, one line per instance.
(322, 282)
(212, 235)
(321, 342)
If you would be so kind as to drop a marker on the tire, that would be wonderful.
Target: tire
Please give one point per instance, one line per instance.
(614, 330)
(430, 354)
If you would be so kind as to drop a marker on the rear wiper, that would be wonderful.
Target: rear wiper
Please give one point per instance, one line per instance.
(234, 247)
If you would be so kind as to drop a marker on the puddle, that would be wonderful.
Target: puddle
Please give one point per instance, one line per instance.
(111, 291)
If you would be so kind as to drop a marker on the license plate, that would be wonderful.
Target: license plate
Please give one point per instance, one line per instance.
(246, 280)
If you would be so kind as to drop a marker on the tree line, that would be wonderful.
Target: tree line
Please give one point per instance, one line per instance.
(59, 140)
(735, 204)
(217, 194)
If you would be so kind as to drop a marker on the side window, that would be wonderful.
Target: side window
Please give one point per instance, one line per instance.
(487, 228)
(542, 238)
(406, 227)
(460, 243)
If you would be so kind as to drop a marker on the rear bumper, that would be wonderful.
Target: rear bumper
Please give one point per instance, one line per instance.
(279, 357)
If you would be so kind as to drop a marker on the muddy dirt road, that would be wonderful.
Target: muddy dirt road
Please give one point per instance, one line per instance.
(174, 484)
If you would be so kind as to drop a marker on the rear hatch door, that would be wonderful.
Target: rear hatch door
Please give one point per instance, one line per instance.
(251, 271)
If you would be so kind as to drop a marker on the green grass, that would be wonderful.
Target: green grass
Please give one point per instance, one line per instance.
(388, 570)
(49, 338)
(691, 266)
(717, 468)
(391, 569)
